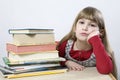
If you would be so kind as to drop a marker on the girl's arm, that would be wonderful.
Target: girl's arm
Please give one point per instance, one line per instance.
(61, 50)
(103, 61)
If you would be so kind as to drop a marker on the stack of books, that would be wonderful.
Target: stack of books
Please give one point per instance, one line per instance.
(32, 51)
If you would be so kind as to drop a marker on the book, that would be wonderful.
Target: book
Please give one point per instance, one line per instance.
(33, 39)
(33, 56)
(30, 31)
(9, 73)
(42, 61)
(6, 69)
(29, 49)
(33, 66)
(28, 68)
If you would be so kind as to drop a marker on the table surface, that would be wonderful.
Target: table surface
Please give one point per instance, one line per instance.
(90, 73)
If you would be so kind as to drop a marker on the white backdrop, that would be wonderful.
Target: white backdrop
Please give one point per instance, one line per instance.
(56, 14)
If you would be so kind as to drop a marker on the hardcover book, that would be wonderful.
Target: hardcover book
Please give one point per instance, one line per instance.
(30, 49)
(30, 31)
(33, 39)
(32, 56)
(40, 61)
(34, 66)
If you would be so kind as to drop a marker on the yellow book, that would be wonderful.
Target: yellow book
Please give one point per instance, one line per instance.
(33, 39)
(36, 73)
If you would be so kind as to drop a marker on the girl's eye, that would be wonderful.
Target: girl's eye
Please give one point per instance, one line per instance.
(92, 25)
(81, 22)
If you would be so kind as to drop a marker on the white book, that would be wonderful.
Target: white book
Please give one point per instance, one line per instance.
(33, 56)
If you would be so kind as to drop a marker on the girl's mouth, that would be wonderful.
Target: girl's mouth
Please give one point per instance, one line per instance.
(84, 34)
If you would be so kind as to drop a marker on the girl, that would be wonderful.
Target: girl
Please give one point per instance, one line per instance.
(86, 45)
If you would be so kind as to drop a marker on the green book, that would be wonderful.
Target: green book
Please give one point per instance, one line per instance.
(51, 61)
(6, 60)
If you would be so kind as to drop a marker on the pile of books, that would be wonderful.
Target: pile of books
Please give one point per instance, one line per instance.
(32, 52)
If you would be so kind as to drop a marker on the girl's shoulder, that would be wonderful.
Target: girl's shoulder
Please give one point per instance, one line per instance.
(64, 43)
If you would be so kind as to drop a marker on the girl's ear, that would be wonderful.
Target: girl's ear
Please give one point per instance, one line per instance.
(102, 33)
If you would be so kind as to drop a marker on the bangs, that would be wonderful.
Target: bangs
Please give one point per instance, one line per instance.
(89, 15)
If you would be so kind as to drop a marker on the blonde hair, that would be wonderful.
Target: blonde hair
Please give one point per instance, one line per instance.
(94, 15)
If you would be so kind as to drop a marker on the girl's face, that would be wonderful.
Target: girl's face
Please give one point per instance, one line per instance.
(84, 27)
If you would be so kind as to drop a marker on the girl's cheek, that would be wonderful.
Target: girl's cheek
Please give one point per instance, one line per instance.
(91, 30)
(95, 29)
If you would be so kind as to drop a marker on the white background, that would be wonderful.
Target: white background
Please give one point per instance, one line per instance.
(56, 14)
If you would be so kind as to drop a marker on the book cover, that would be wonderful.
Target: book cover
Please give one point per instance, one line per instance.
(33, 56)
(33, 39)
(9, 73)
(30, 31)
(42, 61)
(29, 49)
(33, 66)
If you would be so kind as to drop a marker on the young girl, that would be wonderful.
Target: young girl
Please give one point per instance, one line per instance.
(86, 45)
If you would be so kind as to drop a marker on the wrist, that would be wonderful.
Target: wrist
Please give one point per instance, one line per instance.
(94, 39)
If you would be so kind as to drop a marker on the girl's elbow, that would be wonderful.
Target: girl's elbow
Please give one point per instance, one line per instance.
(106, 70)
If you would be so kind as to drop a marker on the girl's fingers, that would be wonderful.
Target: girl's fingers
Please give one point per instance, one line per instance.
(77, 68)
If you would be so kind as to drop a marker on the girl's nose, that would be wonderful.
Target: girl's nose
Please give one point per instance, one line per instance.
(85, 27)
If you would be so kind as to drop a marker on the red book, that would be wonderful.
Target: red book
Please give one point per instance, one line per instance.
(30, 48)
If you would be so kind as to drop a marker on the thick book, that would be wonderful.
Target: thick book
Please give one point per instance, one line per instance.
(11, 73)
(31, 62)
(33, 39)
(30, 49)
(33, 56)
(30, 31)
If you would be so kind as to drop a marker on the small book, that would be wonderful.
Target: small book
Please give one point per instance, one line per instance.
(30, 31)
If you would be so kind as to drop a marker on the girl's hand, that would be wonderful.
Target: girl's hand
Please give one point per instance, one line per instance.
(93, 33)
(74, 66)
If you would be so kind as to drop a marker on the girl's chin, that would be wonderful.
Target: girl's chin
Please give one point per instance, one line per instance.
(82, 39)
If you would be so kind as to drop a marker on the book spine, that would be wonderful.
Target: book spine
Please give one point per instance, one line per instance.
(6, 60)
(30, 49)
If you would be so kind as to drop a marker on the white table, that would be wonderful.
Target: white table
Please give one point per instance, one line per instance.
(87, 74)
